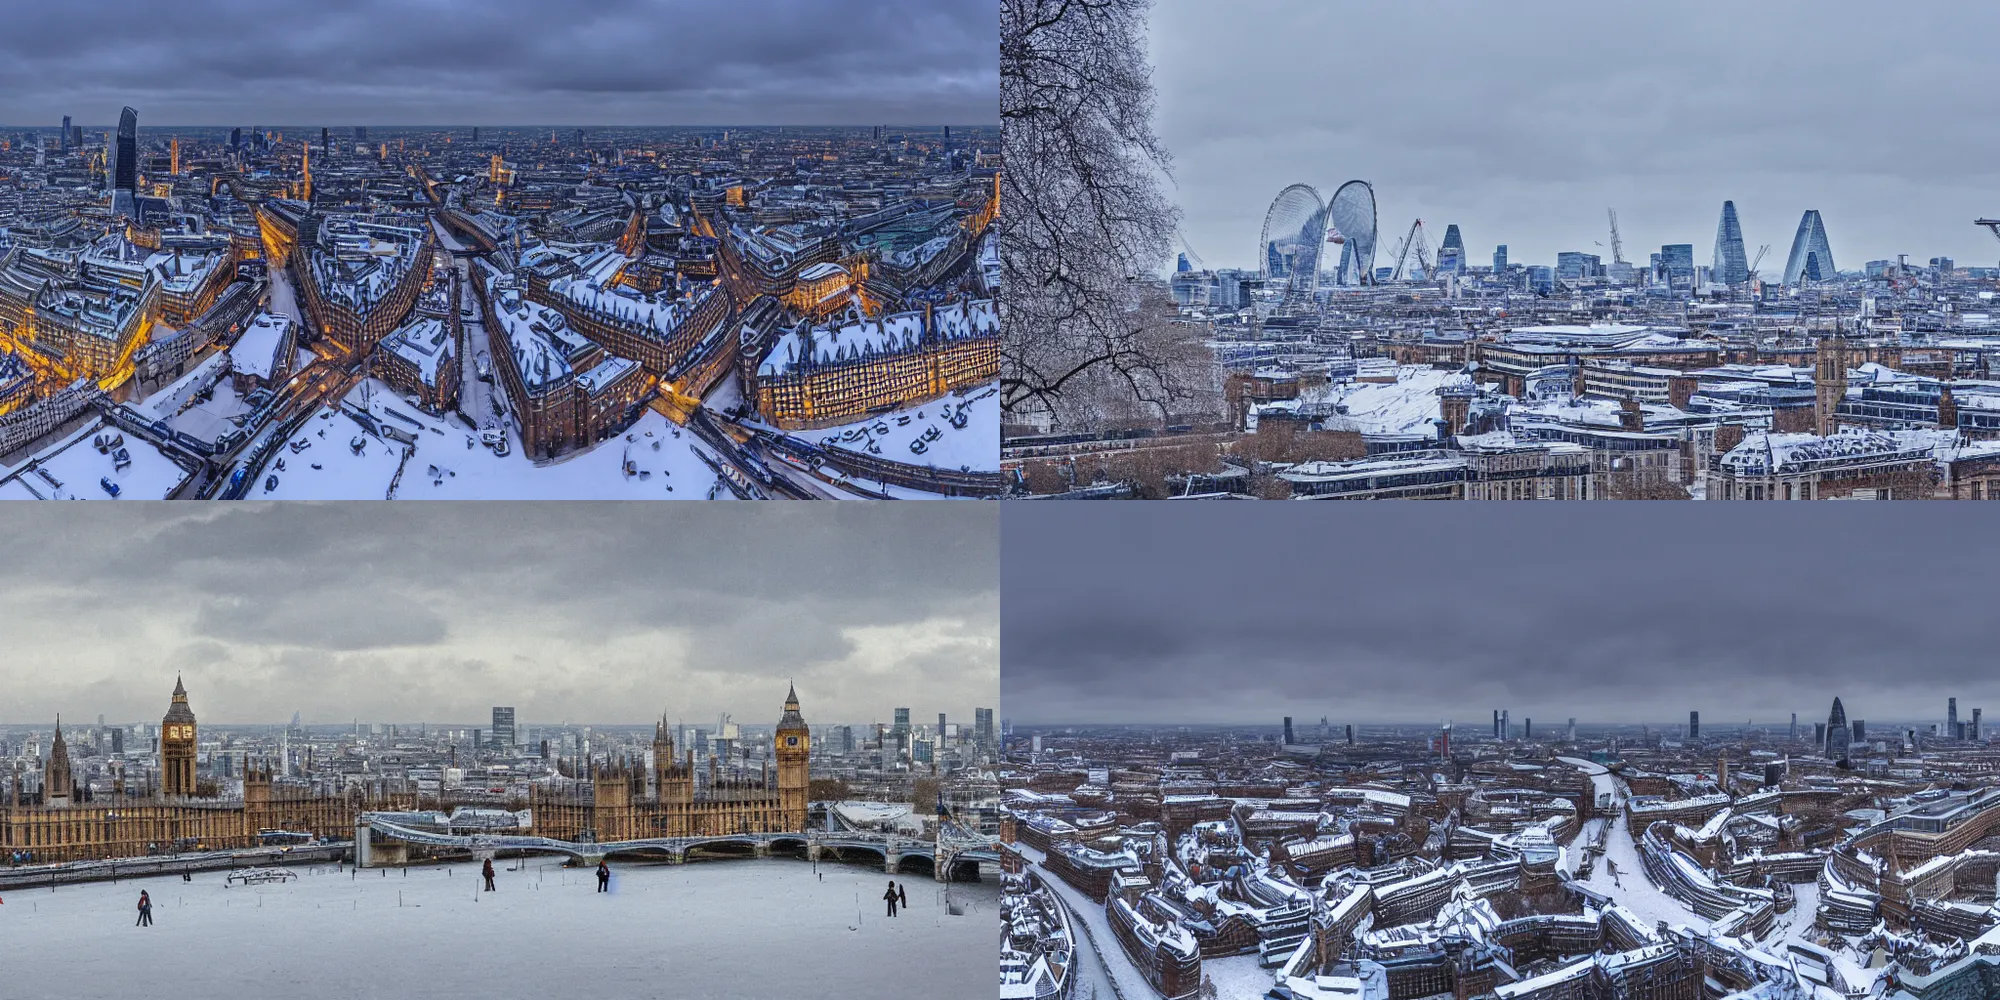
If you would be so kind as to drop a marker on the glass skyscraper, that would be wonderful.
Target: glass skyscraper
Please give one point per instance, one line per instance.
(1732, 265)
(1811, 258)
(125, 163)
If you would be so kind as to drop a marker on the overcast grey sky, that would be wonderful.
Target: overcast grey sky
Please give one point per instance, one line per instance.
(580, 612)
(1187, 613)
(388, 62)
(1523, 123)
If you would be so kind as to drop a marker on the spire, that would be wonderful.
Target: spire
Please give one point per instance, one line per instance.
(180, 690)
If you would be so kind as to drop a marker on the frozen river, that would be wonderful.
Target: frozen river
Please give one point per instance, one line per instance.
(727, 930)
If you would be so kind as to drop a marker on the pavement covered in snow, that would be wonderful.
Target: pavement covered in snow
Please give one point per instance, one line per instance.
(725, 930)
(73, 469)
(890, 436)
(660, 454)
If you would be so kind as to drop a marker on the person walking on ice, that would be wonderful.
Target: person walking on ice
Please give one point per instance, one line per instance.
(891, 897)
(487, 870)
(145, 910)
(603, 877)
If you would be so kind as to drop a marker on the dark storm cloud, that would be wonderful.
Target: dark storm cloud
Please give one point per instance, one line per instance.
(1523, 123)
(1194, 613)
(582, 611)
(374, 62)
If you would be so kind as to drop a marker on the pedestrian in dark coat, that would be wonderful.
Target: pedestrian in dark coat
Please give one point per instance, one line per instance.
(891, 897)
(145, 909)
(603, 877)
(487, 870)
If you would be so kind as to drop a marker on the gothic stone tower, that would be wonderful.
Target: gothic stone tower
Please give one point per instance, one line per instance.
(673, 781)
(56, 782)
(1829, 381)
(177, 738)
(794, 747)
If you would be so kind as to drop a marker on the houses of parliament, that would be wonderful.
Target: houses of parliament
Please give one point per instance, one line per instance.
(620, 805)
(620, 799)
(179, 814)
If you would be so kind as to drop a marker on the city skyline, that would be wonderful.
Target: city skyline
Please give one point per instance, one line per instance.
(1548, 614)
(1523, 132)
(608, 614)
(772, 61)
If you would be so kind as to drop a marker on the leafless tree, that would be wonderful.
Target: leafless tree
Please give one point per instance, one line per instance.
(1084, 224)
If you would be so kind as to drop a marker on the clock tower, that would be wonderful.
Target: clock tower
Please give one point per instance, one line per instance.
(177, 747)
(794, 748)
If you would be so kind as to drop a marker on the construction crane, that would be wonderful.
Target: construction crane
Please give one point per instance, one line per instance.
(1413, 240)
(1193, 258)
(1992, 226)
(1617, 245)
(1754, 261)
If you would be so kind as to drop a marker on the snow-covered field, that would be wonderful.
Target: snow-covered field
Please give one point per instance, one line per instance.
(976, 446)
(476, 473)
(725, 930)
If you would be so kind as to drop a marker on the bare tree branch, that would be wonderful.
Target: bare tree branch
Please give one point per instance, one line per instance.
(1084, 223)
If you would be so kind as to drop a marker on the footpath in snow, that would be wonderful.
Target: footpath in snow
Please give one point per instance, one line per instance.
(334, 456)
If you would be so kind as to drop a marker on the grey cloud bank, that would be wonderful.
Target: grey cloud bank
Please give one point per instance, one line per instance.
(1638, 613)
(1522, 124)
(625, 62)
(585, 612)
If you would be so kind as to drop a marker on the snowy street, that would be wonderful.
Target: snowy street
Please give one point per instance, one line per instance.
(728, 930)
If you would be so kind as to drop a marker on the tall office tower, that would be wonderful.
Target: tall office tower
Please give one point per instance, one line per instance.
(174, 156)
(1860, 729)
(1350, 734)
(1506, 728)
(1975, 724)
(1677, 265)
(235, 139)
(1732, 266)
(847, 739)
(1288, 730)
(325, 140)
(1572, 730)
(1527, 729)
(1500, 258)
(1811, 258)
(1951, 718)
(1496, 723)
(1794, 734)
(902, 728)
(503, 727)
(475, 133)
(1694, 725)
(982, 727)
(1819, 734)
(65, 134)
(361, 134)
(1451, 253)
(940, 732)
(125, 163)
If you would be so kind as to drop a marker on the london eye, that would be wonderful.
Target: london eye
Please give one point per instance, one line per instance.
(1294, 231)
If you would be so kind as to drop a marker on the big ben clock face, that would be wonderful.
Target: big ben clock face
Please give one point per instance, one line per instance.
(791, 741)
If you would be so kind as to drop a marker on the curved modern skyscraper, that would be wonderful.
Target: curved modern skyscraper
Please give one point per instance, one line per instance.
(125, 163)
(1732, 265)
(1812, 257)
